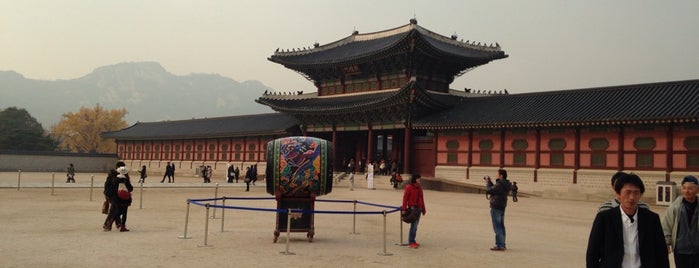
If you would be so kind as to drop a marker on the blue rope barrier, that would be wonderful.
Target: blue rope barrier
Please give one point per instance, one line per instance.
(197, 202)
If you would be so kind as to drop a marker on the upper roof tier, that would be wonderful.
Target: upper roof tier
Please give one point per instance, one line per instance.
(407, 39)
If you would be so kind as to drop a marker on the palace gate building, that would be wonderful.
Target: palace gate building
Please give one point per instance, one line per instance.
(386, 96)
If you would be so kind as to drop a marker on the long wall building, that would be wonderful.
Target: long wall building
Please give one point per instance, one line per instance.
(386, 97)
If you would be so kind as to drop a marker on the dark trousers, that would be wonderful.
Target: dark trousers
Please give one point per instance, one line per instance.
(123, 211)
(114, 213)
(686, 260)
(514, 196)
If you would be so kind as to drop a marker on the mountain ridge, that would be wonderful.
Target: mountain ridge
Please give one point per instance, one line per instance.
(145, 89)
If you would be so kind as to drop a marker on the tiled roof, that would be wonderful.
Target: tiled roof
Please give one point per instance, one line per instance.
(356, 102)
(219, 127)
(359, 47)
(663, 102)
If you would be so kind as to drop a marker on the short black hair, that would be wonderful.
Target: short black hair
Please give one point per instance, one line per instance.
(120, 164)
(616, 176)
(414, 178)
(503, 172)
(629, 179)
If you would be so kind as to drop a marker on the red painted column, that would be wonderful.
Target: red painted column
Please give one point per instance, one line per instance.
(470, 153)
(334, 142)
(670, 166)
(370, 144)
(576, 165)
(537, 160)
(502, 148)
(620, 151)
(406, 150)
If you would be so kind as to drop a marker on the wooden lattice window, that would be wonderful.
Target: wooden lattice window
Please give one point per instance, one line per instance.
(692, 145)
(598, 157)
(453, 149)
(520, 154)
(556, 156)
(644, 155)
(486, 147)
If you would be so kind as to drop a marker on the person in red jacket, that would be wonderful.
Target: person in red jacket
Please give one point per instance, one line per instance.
(414, 198)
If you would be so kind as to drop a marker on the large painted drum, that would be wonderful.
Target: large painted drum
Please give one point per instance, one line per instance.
(299, 167)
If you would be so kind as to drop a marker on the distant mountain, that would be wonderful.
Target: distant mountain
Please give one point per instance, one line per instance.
(145, 89)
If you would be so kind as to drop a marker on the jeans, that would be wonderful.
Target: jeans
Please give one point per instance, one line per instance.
(498, 218)
(413, 228)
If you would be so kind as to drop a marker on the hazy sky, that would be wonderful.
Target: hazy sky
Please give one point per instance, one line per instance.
(551, 44)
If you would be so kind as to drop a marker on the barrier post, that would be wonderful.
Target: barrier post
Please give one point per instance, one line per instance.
(206, 227)
(140, 198)
(354, 218)
(215, 200)
(53, 181)
(186, 222)
(19, 178)
(92, 184)
(400, 221)
(288, 233)
(223, 212)
(384, 237)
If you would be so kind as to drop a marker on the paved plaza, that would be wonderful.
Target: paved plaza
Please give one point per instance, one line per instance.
(61, 227)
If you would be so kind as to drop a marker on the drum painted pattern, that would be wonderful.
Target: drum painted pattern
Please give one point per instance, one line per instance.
(299, 166)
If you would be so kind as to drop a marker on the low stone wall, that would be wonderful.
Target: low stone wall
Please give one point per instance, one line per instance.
(592, 185)
(55, 161)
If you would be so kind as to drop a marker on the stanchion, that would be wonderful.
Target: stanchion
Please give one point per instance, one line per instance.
(354, 218)
(401, 231)
(215, 199)
(19, 178)
(384, 253)
(223, 213)
(288, 233)
(92, 184)
(186, 222)
(53, 181)
(206, 227)
(140, 198)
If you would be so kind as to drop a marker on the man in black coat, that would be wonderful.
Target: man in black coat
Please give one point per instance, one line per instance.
(627, 235)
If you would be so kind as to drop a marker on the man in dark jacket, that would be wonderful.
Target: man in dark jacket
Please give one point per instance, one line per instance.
(627, 235)
(498, 192)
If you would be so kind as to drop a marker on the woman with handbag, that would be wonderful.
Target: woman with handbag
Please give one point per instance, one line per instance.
(414, 201)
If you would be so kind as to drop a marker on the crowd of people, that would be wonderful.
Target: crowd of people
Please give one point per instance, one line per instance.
(624, 233)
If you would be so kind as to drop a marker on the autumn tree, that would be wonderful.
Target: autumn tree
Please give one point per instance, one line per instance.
(21, 131)
(80, 132)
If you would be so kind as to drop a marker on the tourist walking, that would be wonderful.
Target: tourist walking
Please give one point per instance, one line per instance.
(143, 174)
(70, 174)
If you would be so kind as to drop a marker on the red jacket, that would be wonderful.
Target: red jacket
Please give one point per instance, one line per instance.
(412, 196)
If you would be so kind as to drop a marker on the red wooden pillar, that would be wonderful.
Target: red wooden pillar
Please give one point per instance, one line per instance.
(334, 142)
(406, 149)
(370, 143)
(537, 159)
(502, 148)
(470, 154)
(620, 151)
(577, 155)
(669, 152)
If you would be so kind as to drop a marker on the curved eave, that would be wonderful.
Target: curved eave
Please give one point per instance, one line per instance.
(292, 107)
(362, 47)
